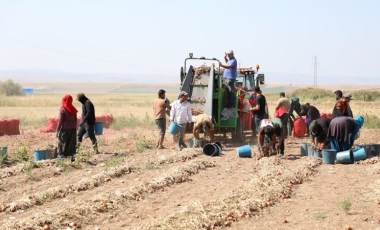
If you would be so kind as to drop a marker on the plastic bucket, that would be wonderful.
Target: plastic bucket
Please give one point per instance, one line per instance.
(328, 156)
(303, 149)
(375, 149)
(359, 154)
(316, 153)
(98, 128)
(345, 157)
(219, 144)
(3, 153)
(309, 150)
(211, 150)
(243, 151)
(40, 155)
(174, 128)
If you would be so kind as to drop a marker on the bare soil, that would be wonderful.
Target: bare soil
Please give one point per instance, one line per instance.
(170, 189)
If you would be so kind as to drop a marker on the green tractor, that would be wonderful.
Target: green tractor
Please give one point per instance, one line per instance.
(202, 78)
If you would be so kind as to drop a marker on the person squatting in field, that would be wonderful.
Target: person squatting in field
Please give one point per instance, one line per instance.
(87, 124)
(67, 128)
(280, 135)
(266, 138)
(343, 131)
(180, 113)
(160, 105)
(318, 133)
(202, 121)
(311, 113)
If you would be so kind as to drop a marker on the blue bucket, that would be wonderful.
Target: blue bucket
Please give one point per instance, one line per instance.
(244, 151)
(211, 150)
(98, 128)
(309, 149)
(174, 128)
(316, 153)
(3, 153)
(345, 157)
(303, 149)
(40, 155)
(359, 154)
(328, 156)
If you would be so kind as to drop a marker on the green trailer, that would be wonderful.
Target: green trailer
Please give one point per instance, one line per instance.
(202, 78)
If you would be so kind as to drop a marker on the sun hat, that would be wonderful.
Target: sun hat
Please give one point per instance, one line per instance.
(183, 93)
(230, 52)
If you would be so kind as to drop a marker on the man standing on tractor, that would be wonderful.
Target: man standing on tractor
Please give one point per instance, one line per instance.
(230, 74)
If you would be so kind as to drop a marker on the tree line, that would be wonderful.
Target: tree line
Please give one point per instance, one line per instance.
(10, 88)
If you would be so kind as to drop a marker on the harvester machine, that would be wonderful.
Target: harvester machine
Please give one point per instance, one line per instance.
(202, 78)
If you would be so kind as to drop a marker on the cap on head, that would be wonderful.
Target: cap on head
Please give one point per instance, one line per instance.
(183, 93)
(80, 96)
(230, 52)
(347, 95)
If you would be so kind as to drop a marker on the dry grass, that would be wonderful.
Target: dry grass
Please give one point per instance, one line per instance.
(82, 213)
(270, 181)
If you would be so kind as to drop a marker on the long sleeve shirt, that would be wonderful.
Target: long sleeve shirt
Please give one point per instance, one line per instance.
(181, 112)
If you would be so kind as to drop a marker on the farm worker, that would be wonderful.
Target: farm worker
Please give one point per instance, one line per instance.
(343, 131)
(230, 74)
(159, 108)
(318, 133)
(282, 112)
(266, 137)
(180, 113)
(342, 107)
(87, 123)
(203, 121)
(295, 106)
(244, 108)
(280, 135)
(311, 113)
(67, 128)
(260, 107)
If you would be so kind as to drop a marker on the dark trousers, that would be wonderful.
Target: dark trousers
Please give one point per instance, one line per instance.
(89, 129)
(232, 93)
(258, 119)
(284, 120)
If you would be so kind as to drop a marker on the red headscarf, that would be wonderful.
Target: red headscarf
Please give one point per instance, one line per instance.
(67, 104)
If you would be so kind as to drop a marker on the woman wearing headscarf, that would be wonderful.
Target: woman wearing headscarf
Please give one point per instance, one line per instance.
(343, 131)
(67, 128)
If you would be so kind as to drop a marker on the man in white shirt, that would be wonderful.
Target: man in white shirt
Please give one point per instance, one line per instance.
(180, 113)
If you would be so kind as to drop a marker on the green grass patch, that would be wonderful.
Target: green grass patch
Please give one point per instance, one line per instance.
(312, 93)
(366, 95)
(371, 121)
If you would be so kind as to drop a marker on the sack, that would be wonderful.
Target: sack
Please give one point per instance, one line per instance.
(279, 111)
(300, 127)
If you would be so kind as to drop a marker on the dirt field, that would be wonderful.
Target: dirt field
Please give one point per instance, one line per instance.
(167, 189)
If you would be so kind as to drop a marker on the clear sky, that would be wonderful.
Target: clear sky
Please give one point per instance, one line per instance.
(149, 39)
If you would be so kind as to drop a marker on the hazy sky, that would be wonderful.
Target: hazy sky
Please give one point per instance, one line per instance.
(152, 37)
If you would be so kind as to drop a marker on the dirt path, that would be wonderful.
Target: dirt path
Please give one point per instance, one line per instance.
(317, 204)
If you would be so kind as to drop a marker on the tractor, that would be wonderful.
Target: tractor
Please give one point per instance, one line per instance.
(202, 78)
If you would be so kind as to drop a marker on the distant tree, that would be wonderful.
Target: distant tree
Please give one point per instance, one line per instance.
(10, 88)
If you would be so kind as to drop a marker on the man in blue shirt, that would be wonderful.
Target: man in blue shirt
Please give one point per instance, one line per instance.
(230, 74)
